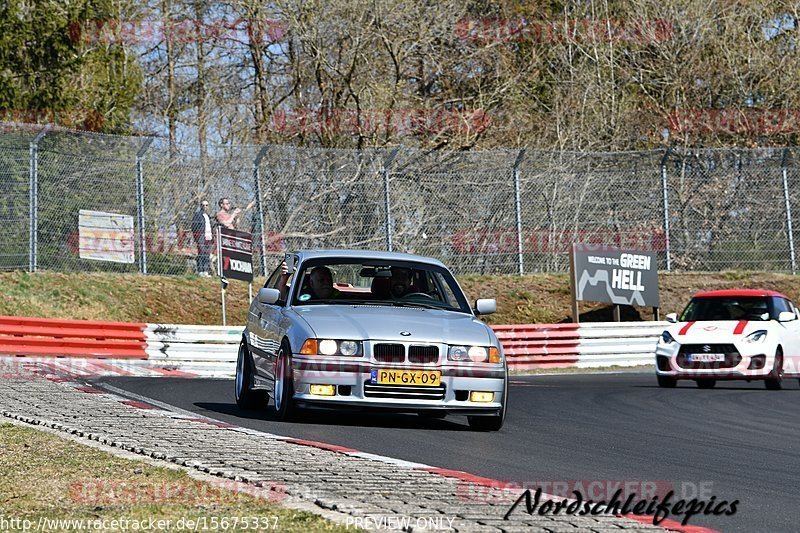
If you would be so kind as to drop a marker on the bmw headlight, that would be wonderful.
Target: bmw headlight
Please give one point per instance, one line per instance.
(332, 347)
(756, 336)
(474, 354)
(666, 338)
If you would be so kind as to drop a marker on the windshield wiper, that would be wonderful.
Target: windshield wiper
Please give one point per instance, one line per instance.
(415, 304)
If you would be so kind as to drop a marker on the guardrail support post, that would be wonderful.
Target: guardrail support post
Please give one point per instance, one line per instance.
(33, 203)
(665, 196)
(260, 206)
(140, 205)
(518, 209)
(387, 204)
(788, 204)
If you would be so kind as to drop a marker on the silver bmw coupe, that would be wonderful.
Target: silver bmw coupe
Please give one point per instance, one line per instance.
(372, 330)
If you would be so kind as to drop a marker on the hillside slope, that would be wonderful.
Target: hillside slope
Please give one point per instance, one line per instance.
(538, 298)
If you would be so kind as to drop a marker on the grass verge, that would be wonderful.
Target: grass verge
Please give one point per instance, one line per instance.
(45, 477)
(535, 298)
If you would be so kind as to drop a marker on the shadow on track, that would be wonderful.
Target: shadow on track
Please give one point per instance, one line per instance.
(333, 418)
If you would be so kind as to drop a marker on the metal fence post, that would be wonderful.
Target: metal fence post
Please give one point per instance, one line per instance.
(788, 210)
(518, 209)
(387, 163)
(260, 206)
(33, 201)
(665, 196)
(140, 205)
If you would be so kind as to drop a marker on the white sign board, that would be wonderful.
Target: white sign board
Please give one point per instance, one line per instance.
(105, 236)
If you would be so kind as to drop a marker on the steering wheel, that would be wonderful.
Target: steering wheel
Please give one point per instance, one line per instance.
(412, 294)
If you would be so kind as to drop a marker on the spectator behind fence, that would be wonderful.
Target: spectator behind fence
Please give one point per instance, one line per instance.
(227, 218)
(203, 237)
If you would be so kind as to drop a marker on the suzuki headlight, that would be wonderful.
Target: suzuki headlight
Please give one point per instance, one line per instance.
(756, 336)
(666, 338)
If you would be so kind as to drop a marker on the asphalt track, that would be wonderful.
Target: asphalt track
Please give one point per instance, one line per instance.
(736, 442)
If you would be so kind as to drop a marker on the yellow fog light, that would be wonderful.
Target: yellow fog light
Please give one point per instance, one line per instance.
(483, 397)
(323, 390)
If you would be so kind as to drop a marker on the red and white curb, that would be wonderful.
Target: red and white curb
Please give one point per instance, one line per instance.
(163, 409)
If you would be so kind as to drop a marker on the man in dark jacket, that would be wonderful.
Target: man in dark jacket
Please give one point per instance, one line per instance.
(204, 237)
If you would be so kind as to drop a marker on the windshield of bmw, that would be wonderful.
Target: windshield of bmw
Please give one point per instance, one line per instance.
(735, 308)
(400, 284)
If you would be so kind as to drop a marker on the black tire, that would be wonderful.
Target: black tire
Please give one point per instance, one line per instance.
(775, 379)
(283, 406)
(494, 422)
(666, 382)
(706, 383)
(246, 397)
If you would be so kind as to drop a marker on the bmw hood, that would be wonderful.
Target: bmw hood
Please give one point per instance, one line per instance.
(404, 324)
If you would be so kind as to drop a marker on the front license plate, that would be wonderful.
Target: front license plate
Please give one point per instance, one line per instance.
(706, 357)
(424, 378)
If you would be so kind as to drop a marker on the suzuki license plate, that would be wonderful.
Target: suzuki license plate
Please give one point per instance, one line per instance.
(706, 357)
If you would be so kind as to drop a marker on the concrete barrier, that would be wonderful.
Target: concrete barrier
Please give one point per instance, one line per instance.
(204, 349)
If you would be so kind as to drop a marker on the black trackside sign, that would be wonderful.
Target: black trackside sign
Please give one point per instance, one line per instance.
(606, 274)
(237, 254)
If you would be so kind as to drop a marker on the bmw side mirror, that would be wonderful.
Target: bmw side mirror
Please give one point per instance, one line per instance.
(485, 306)
(672, 317)
(786, 316)
(268, 296)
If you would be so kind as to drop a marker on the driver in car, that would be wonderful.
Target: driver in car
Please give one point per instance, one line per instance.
(401, 282)
(320, 283)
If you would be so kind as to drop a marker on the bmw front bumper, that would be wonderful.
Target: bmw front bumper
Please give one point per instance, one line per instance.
(354, 387)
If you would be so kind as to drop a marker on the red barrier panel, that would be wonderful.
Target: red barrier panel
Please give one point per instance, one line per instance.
(529, 346)
(71, 338)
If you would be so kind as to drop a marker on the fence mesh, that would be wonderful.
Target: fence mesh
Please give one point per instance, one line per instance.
(498, 212)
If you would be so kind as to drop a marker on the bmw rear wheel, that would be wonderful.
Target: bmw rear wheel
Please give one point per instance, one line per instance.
(246, 397)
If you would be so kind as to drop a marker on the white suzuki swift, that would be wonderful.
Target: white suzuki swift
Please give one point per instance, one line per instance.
(731, 334)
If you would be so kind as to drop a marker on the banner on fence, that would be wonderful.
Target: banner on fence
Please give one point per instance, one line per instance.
(237, 254)
(105, 236)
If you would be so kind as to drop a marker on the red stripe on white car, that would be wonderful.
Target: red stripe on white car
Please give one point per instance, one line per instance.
(685, 329)
(740, 327)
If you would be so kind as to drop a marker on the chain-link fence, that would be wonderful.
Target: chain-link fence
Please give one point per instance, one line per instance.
(500, 211)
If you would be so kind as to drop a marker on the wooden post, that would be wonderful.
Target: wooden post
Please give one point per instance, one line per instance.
(576, 317)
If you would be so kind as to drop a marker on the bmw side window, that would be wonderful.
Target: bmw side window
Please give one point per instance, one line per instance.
(272, 281)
